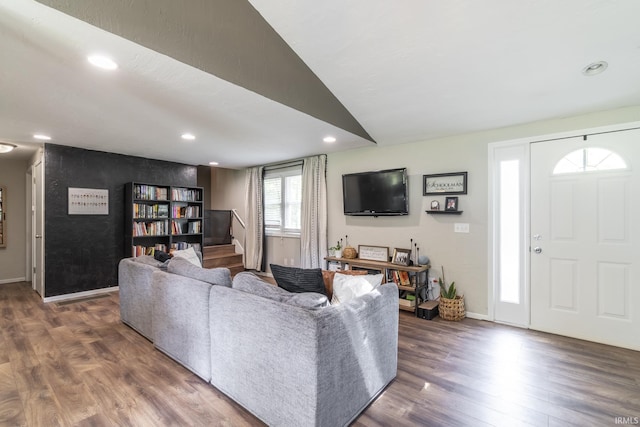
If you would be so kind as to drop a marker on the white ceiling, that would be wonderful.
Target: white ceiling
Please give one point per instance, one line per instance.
(407, 71)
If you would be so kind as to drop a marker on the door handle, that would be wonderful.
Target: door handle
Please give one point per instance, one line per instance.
(38, 236)
(537, 250)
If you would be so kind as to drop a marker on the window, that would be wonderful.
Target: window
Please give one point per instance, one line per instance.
(283, 201)
(589, 159)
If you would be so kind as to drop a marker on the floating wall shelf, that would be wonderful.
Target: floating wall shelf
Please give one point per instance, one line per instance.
(444, 212)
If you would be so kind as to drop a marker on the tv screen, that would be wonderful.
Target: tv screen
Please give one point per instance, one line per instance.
(376, 193)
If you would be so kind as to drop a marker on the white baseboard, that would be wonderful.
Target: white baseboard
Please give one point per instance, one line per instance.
(83, 294)
(15, 280)
(477, 316)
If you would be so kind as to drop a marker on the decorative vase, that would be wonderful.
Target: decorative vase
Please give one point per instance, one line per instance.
(337, 253)
(349, 253)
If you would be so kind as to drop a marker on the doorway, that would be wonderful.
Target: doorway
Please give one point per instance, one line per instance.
(37, 228)
(578, 275)
(585, 254)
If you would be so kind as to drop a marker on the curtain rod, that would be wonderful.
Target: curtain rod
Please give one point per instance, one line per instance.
(287, 164)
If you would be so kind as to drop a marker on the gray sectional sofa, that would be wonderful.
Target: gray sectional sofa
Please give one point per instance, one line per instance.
(291, 360)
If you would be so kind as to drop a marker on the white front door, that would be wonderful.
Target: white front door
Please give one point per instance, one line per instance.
(585, 238)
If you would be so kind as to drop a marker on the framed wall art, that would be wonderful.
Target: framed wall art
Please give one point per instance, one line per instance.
(445, 183)
(88, 201)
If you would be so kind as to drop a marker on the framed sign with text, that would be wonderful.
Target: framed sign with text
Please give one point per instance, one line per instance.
(88, 201)
(445, 183)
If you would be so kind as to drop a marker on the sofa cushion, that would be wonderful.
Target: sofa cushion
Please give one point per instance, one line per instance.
(327, 277)
(214, 276)
(347, 287)
(295, 279)
(250, 283)
(189, 254)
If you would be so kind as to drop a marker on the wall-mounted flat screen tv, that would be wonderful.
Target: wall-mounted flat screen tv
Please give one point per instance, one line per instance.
(376, 193)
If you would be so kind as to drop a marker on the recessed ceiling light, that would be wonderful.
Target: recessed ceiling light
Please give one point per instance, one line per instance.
(103, 62)
(214, 163)
(5, 147)
(329, 139)
(42, 137)
(188, 136)
(595, 68)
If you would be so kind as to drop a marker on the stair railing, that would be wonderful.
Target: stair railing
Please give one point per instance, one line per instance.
(239, 246)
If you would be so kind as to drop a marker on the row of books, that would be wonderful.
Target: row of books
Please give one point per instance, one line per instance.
(155, 228)
(139, 250)
(141, 210)
(185, 195)
(400, 278)
(186, 245)
(186, 212)
(193, 227)
(150, 192)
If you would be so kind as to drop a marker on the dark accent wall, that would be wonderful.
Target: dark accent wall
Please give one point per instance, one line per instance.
(82, 251)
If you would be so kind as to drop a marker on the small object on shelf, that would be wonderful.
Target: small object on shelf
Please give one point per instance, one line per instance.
(435, 205)
(451, 204)
(349, 252)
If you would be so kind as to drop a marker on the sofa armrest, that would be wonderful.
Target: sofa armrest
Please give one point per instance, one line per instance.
(135, 290)
(181, 321)
(331, 361)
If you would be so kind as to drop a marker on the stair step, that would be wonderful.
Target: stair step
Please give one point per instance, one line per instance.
(221, 260)
(218, 250)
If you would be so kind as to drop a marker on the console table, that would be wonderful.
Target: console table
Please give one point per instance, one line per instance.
(384, 268)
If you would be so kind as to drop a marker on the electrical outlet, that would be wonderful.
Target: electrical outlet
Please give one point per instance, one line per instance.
(461, 227)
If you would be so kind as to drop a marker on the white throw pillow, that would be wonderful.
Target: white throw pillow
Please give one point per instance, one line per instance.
(347, 287)
(189, 254)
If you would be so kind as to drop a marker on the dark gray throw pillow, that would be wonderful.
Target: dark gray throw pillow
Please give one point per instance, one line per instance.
(295, 279)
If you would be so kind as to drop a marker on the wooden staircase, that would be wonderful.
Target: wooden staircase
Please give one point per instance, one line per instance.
(222, 256)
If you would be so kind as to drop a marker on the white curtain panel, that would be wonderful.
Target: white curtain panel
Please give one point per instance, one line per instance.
(313, 233)
(255, 219)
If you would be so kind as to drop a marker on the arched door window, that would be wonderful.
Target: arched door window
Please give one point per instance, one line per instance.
(588, 160)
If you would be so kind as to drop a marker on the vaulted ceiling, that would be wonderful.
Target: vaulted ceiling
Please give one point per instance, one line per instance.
(261, 81)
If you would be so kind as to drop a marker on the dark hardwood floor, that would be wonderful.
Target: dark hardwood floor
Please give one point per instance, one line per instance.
(76, 364)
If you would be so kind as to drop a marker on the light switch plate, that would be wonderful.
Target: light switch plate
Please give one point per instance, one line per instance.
(461, 227)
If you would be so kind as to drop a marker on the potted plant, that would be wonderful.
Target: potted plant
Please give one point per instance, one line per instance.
(451, 305)
(336, 250)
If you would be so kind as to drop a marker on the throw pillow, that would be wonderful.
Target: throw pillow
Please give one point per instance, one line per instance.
(327, 277)
(215, 276)
(295, 279)
(250, 283)
(346, 287)
(189, 254)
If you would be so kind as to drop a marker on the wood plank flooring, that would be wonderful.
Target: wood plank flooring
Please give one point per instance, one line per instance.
(78, 365)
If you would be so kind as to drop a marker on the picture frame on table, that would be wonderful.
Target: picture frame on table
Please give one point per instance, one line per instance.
(373, 253)
(401, 256)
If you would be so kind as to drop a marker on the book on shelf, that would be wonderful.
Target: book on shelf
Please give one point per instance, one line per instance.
(186, 195)
(139, 250)
(404, 278)
(144, 211)
(178, 246)
(150, 192)
(154, 228)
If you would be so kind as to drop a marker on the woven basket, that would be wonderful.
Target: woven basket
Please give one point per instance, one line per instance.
(451, 309)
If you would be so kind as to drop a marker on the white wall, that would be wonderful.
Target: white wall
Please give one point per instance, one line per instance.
(464, 256)
(13, 256)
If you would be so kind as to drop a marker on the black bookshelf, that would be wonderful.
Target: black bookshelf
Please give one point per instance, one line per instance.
(162, 217)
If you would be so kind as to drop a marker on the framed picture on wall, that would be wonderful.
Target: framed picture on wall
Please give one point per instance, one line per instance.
(445, 183)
